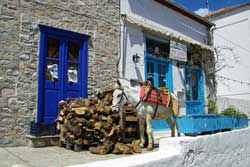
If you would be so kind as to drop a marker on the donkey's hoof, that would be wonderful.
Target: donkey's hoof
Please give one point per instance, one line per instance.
(149, 148)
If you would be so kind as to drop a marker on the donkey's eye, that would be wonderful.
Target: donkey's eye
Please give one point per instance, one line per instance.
(119, 95)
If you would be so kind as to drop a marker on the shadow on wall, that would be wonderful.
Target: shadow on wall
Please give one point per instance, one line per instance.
(138, 73)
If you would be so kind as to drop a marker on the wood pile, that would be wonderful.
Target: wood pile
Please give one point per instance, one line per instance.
(91, 124)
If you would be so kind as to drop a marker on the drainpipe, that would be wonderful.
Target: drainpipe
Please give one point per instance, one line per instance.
(123, 45)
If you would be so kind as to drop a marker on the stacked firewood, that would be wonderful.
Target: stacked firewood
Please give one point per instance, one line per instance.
(91, 124)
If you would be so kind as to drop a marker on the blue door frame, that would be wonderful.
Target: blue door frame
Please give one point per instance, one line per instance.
(51, 91)
(152, 69)
(194, 90)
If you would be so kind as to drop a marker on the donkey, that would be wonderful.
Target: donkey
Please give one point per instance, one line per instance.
(128, 91)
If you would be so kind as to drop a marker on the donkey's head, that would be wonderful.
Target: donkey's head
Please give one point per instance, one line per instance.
(119, 97)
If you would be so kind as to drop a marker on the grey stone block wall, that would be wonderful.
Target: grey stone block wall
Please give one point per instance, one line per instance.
(19, 42)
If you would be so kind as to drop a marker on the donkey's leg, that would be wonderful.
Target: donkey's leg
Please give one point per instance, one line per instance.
(149, 131)
(142, 130)
(176, 126)
(172, 127)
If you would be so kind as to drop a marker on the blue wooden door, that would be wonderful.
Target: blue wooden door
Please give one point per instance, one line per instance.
(62, 70)
(194, 91)
(159, 70)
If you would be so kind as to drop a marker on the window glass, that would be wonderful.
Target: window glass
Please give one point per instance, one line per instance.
(150, 71)
(53, 48)
(195, 85)
(73, 73)
(162, 75)
(51, 70)
(73, 51)
(157, 48)
(188, 84)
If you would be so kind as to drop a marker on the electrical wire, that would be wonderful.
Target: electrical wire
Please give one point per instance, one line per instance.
(234, 80)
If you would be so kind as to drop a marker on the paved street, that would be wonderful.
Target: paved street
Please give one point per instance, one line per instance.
(56, 156)
(47, 157)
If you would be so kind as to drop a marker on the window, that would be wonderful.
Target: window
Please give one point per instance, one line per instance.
(157, 48)
(158, 68)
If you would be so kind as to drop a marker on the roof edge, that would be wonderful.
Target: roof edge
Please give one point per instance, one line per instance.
(226, 9)
(185, 12)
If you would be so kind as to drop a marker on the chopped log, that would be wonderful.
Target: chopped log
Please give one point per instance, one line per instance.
(121, 148)
(106, 148)
(130, 129)
(83, 122)
(136, 146)
(78, 141)
(80, 110)
(131, 118)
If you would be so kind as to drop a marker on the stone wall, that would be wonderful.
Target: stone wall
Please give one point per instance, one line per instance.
(19, 44)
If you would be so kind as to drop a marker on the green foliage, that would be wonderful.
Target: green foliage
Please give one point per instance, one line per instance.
(231, 111)
(212, 107)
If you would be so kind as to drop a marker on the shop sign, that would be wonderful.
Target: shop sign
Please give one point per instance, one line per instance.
(178, 51)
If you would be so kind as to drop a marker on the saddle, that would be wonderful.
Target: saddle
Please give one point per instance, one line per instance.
(160, 96)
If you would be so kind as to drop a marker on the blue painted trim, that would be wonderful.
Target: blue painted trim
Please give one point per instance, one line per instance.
(170, 77)
(84, 85)
(155, 60)
(40, 78)
(62, 75)
(61, 32)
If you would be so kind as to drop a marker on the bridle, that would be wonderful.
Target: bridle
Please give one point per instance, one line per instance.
(123, 94)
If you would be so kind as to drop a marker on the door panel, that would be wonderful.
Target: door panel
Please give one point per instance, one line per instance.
(51, 100)
(62, 74)
(194, 91)
(72, 94)
(73, 79)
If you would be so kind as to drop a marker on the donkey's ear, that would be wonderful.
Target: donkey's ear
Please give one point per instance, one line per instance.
(118, 82)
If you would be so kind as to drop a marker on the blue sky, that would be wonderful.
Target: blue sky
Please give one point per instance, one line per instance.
(199, 6)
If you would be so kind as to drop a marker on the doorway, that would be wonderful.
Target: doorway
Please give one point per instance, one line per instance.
(62, 69)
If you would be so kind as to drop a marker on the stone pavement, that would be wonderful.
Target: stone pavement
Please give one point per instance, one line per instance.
(47, 157)
(57, 156)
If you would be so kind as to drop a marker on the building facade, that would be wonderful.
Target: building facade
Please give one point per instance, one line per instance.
(150, 32)
(51, 50)
(231, 42)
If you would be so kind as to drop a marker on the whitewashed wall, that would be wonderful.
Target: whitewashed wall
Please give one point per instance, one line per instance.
(133, 38)
(234, 33)
(227, 149)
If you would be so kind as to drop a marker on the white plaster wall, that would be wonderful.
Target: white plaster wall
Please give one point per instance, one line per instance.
(227, 149)
(154, 13)
(241, 104)
(178, 86)
(235, 35)
(133, 38)
(132, 43)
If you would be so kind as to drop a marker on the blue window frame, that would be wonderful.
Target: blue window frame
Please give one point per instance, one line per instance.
(63, 69)
(160, 70)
